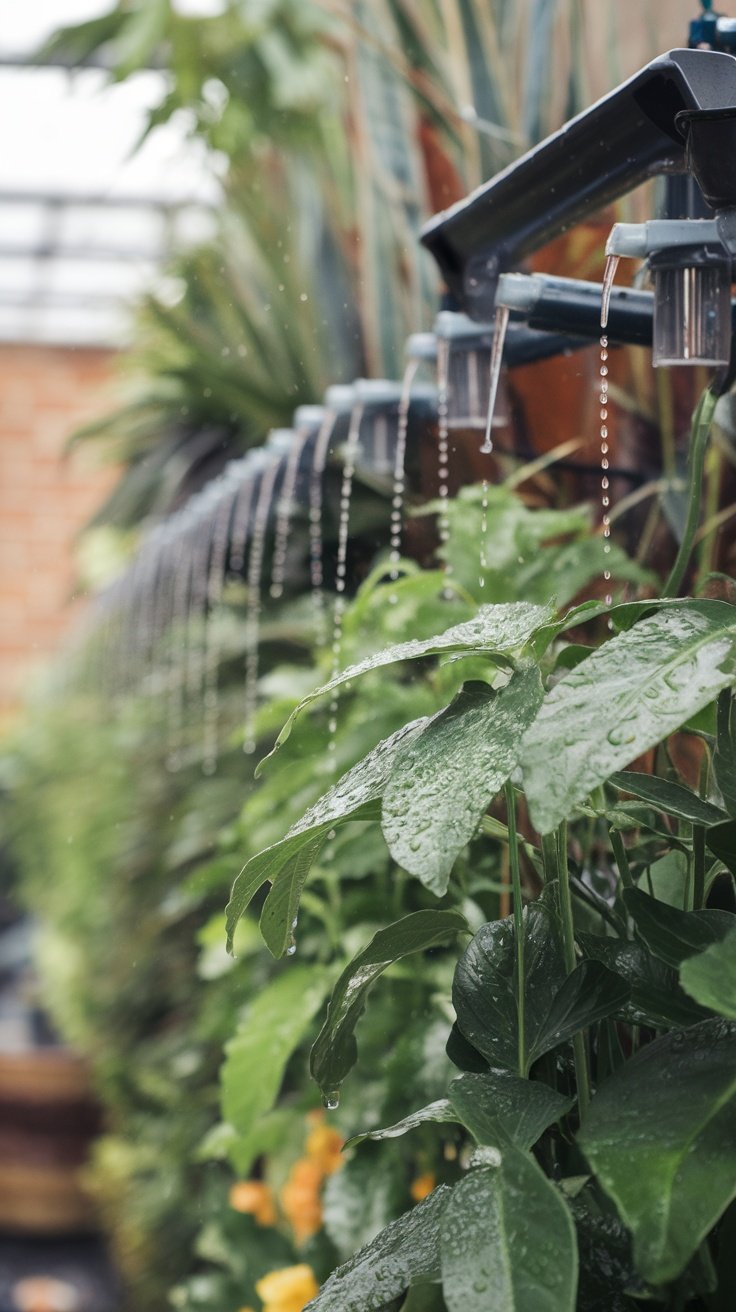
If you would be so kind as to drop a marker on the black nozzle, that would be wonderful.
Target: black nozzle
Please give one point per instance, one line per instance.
(710, 149)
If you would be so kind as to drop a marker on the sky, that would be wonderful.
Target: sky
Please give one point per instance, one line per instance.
(72, 137)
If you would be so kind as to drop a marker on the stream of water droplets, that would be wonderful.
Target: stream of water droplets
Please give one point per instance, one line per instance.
(443, 445)
(352, 448)
(213, 631)
(608, 277)
(399, 475)
(284, 517)
(255, 599)
(499, 338)
(316, 564)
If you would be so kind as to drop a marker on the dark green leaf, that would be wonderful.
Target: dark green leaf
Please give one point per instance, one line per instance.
(671, 934)
(710, 977)
(440, 1110)
(669, 797)
(495, 631)
(660, 1135)
(656, 999)
(724, 757)
(404, 1254)
(275, 1024)
(721, 840)
(500, 1108)
(629, 695)
(484, 988)
(441, 785)
(508, 1240)
(335, 1049)
(354, 797)
(589, 994)
(462, 1053)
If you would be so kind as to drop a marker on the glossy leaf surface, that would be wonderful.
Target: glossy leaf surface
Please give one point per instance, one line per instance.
(630, 694)
(660, 1135)
(335, 1049)
(710, 977)
(441, 785)
(508, 1241)
(669, 797)
(500, 1107)
(671, 934)
(405, 1253)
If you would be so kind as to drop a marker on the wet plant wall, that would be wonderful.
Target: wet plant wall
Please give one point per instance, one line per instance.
(486, 877)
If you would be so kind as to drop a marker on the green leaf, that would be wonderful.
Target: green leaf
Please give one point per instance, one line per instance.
(495, 631)
(361, 1198)
(335, 1050)
(630, 694)
(500, 1108)
(440, 1110)
(721, 840)
(724, 757)
(354, 797)
(710, 977)
(508, 1240)
(556, 1006)
(404, 1254)
(660, 1135)
(274, 1026)
(671, 934)
(656, 998)
(441, 785)
(669, 797)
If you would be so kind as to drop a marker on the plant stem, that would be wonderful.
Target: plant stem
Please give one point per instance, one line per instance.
(518, 922)
(555, 856)
(698, 867)
(701, 426)
(620, 857)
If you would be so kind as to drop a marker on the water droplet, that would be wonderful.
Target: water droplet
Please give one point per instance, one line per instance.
(331, 1100)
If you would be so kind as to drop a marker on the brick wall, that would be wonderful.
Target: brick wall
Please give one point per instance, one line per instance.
(45, 498)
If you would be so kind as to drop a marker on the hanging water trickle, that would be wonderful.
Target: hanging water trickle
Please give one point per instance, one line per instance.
(499, 338)
(316, 547)
(608, 277)
(443, 433)
(285, 510)
(399, 473)
(212, 635)
(352, 448)
(254, 602)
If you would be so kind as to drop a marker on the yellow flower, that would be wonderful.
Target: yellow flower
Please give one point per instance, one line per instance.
(287, 1290)
(324, 1146)
(255, 1198)
(422, 1186)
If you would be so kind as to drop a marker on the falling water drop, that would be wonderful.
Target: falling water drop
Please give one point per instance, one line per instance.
(499, 338)
(608, 279)
(331, 1100)
(397, 498)
(352, 448)
(254, 602)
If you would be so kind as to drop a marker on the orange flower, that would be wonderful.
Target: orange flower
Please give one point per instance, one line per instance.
(422, 1186)
(300, 1198)
(287, 1290)
(324, 1146)
(255, 1198)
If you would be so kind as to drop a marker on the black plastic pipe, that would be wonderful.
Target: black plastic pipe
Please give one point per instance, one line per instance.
(628, 136)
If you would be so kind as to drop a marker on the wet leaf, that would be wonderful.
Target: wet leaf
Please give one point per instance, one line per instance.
(501, 1108)
(669, 797)
(655, 999)
(710, 977)
(508, 1240)
(354, 797)
(361, 1198)
(556, 1006)
(629, 695)
(496, 630)
(275, 1024)
(724, 757)
(671, 934)
(721, 841)
(335, 1050)
(440, 1110)
(404, 1254)
(441, 785)
(660, 1135)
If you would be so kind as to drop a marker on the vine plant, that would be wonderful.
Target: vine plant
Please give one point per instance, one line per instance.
(595, 1030)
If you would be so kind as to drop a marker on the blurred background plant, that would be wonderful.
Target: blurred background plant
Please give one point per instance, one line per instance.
(336, 129)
